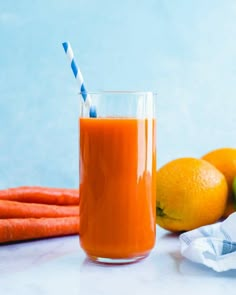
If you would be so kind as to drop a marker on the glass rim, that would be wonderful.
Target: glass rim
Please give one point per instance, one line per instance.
(130, 92)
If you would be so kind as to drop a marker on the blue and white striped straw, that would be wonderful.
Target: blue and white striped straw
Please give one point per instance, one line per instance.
(78, 76)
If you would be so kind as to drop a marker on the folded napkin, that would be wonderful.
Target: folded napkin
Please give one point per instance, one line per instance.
(212, 245)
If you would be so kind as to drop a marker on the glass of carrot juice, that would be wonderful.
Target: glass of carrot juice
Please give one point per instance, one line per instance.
(117, 167)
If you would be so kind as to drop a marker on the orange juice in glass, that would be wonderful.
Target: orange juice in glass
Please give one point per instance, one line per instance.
(117, 165)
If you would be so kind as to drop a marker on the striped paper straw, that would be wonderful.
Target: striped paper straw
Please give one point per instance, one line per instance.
(78, 76)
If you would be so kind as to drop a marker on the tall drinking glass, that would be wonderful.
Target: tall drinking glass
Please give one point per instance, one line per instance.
(117, 167)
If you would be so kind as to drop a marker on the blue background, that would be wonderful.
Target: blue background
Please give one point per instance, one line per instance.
(185, 50)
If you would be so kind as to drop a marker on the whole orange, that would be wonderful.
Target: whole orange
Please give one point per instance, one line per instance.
(224, 159)
(190, 193)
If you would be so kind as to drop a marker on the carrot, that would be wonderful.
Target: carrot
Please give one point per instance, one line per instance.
(11, 209)
(12, 230)
(43, 195)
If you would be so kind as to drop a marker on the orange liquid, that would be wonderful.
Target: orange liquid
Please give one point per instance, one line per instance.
(117, 187)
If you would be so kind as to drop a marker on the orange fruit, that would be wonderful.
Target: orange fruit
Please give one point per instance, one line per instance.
(190, 193)
(224, 159)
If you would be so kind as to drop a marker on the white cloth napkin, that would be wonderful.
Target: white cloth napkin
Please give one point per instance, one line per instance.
(212, 245)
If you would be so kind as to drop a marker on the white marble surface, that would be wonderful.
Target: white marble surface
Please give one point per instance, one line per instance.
(59, 266)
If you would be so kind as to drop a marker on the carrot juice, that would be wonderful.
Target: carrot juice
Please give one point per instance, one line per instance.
(117, 187)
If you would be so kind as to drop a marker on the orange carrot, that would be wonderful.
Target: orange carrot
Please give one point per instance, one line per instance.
(11, 209)
(12, 230)
(43, 195)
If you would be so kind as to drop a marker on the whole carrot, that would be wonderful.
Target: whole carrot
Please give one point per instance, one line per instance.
(12, 230)
(11, 209)
(43, 195)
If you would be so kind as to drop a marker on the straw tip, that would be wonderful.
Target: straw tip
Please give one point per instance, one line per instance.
(65, 46)
(92, 112)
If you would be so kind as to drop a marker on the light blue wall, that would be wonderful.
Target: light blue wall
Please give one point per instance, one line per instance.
(185, 50)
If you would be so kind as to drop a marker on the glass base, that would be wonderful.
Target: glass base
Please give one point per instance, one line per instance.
(103, 260)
